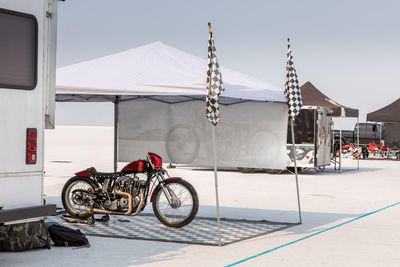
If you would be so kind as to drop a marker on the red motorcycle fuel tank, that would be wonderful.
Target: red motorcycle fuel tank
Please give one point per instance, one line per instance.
(135, 166)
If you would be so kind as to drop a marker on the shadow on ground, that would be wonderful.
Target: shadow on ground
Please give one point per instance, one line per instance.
(308, 171)
(344, 171)
(312, 221)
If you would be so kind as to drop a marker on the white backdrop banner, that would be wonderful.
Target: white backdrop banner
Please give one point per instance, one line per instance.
(249, 134)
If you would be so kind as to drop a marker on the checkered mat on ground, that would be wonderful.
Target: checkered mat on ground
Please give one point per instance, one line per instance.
(201, 231)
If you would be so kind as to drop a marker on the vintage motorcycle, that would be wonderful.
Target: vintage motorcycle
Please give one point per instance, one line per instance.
(174, 200)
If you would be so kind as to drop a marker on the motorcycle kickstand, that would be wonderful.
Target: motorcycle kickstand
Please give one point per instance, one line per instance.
(91, 220)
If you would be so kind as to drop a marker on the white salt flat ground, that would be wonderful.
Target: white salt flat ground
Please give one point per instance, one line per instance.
(327, 200)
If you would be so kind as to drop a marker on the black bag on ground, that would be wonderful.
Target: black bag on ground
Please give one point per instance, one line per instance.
(24, 236)
(66, 237)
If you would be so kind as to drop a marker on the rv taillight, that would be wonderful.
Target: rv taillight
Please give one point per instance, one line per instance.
(31, 145)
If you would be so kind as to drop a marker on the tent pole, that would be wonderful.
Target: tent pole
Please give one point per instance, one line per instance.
(216, 185)
(340, 145)
(334, 146)
(295, 168)
(381, 134)
(358, 143)
(116, 122)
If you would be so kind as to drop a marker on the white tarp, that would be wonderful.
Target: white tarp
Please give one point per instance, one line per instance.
(156, 69)
(249, 134)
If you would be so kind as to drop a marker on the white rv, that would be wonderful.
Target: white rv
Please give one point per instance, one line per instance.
(27, 82)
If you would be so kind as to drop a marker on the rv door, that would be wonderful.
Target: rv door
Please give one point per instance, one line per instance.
(324, 138)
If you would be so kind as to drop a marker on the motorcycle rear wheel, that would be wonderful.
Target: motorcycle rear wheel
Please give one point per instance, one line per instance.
(181, 214)
(73, 205)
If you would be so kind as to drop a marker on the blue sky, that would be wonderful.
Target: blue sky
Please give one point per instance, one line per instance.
(348, 49)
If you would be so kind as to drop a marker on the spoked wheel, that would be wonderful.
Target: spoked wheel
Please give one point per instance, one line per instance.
(246, 170)
(75, 194)
(182, 145)
(272, 171)
(182, 207)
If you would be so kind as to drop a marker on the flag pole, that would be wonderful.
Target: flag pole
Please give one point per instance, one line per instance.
(216, 185)
(295, 103)
(215, 167)
(295, 169)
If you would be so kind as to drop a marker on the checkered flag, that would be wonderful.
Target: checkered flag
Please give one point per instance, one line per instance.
(292, 90)
(214, 82)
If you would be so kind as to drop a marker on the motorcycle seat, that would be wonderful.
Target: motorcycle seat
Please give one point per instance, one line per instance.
(104, 175)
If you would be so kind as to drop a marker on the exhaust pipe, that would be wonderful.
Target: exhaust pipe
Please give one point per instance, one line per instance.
(129, 211)
(139, 207)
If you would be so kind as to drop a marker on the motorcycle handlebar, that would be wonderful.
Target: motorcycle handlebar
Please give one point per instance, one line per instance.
(150, 162)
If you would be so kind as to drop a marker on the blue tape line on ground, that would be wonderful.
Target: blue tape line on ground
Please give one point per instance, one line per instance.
(317, 233)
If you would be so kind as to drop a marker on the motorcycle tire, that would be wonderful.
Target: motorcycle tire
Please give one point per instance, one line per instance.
(183, 220)
(179, 151)
(246, 170)
(67, 202)
(272, 171)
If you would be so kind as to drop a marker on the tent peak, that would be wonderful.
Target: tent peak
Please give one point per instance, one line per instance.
(308, 83)
(154, 44)
(157, 45)
(312, 96)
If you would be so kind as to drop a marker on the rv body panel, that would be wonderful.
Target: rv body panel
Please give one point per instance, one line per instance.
(22, 108)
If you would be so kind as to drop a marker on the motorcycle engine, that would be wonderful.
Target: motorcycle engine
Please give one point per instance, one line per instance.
(128, 184)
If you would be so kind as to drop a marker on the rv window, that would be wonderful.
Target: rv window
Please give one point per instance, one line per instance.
(18, 50)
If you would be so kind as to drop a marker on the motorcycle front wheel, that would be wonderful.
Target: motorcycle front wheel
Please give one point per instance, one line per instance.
(181, 209)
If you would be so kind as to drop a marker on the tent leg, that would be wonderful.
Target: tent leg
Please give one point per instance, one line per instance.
(358, 143)
(295, 169)
(216, 185)
(334, 148)
(116, 122)
(340, 145)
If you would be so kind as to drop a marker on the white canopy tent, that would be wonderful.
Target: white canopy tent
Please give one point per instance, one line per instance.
(155, 69)
(143, 83)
